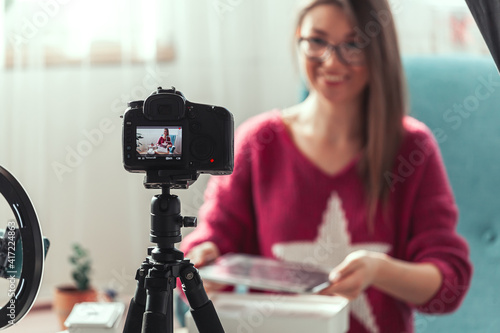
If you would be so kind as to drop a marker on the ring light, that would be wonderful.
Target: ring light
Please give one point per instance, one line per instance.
(33, 251)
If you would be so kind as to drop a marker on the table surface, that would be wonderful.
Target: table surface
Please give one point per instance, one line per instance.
(44, 320)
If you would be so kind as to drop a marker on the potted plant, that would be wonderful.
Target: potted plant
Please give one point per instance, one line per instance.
(66, 296)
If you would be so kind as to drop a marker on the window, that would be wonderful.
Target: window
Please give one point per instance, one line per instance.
(65, 32)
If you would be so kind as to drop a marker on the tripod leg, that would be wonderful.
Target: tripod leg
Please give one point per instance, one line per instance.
(202, 308)
(158, 315)
(158, 320)
(133, 323)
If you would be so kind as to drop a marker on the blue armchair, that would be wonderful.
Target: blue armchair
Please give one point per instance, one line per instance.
(459, 99)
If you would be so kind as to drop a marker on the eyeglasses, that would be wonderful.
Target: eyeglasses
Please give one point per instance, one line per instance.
(317, 49)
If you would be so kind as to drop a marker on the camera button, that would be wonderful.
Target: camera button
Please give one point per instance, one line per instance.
(202, 148)
(195, 127)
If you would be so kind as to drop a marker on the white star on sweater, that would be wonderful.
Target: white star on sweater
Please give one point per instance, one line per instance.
(329, 249)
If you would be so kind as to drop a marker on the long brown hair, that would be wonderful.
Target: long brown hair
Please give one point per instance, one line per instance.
(385, 96)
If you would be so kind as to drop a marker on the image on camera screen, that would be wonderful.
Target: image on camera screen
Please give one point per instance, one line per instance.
(155, 142)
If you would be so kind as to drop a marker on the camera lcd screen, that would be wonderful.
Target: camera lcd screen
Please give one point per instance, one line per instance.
(159, 142)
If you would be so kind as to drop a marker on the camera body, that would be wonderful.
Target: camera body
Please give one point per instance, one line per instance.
(168, 135)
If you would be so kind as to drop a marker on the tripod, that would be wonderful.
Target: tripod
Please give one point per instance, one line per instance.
(151, 308)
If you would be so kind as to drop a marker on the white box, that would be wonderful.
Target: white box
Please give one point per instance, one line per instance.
(95, 317)
(270, 313)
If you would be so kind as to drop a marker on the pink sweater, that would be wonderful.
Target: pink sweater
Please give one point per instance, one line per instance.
(278, 204)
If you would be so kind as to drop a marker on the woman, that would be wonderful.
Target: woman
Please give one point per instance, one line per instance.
(164, 142)
(344, 179)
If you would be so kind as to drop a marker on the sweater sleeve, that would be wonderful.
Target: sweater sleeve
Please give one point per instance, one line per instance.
(226, 216)
(433, 235)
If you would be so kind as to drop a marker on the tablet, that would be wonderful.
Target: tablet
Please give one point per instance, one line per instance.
(265, 274)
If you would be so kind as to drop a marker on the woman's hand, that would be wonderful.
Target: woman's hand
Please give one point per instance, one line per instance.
(357, 272)
(410, 282)
(201, 255)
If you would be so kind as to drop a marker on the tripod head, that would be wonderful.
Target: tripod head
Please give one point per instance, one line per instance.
(166, 224)
(166, 219)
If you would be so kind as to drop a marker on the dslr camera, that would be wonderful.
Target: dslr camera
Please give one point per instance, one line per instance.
(173, 140)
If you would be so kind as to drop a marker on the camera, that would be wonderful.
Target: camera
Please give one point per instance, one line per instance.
(168, 136)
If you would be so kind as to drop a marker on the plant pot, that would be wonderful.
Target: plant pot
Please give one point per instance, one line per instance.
(65, 297)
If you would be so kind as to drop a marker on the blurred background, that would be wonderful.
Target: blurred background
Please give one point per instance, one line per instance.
(68, 68)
